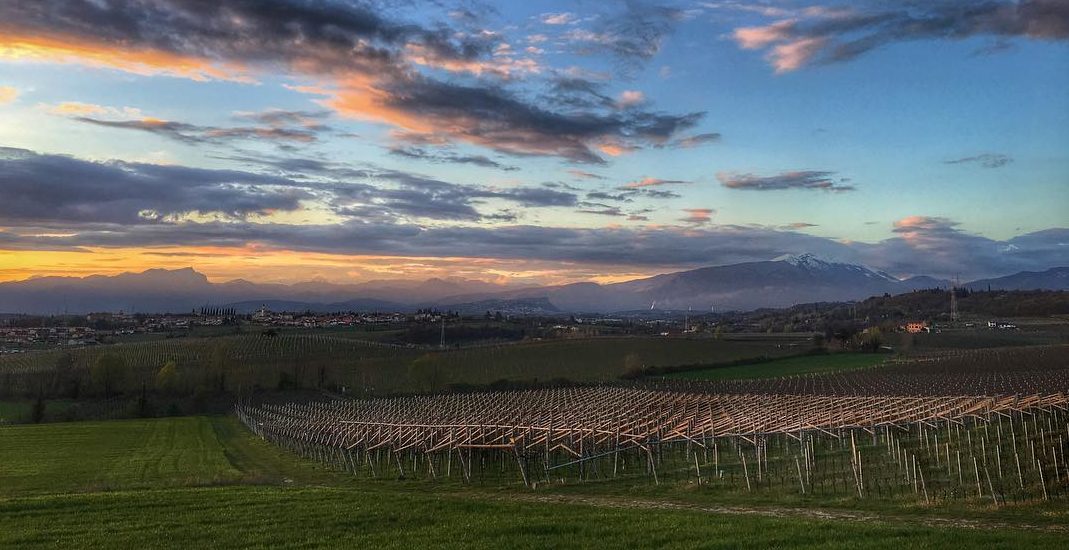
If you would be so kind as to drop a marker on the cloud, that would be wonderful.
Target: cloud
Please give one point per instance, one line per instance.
(60, 190)
(284, 117)
(836, 35)
(658, 194)
(807, 179)
(987, 160)
(630, 98)
(933, 245)
(8, 94)
(948, 250)
(633, 34)
(698, 216)
(498, 119)
(563, 18)
(359, 62)
(54, 188)
(651, 182)
(697, 140)
(422, 154)
(583, 174)
(603, 196)
(78, 108)
(601, 210)
(194, 134)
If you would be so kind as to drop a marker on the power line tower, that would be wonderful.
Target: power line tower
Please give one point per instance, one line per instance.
(441, 344)
(954, 300)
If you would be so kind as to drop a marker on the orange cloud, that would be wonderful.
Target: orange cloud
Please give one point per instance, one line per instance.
(261, 264)
(753, 38)
(630, 98)
(76, 108)
(8, 94)
(358, 97)
(502, 66)
(793, 55)
(20, 47)
(698, 216)
(615, 149)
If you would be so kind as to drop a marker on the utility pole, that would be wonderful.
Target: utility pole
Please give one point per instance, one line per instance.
(442, 342)
(954, 301)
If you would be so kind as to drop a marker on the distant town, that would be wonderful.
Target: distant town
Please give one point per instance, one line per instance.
(845, 325)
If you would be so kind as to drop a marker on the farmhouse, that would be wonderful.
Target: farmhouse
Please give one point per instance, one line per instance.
(914, 327)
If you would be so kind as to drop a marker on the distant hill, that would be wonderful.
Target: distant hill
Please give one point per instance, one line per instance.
(781, 282)
(183, 290)
(1056, 278)
(777, 283)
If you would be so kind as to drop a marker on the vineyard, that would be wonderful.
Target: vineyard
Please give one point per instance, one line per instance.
(991, 426)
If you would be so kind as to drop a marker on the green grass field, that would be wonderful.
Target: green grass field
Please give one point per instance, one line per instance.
(112, 454)
(788, 366)
(319, 360)
(205, 482)
(243, 516)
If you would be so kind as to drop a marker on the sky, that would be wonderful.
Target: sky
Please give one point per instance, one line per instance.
(534, 142)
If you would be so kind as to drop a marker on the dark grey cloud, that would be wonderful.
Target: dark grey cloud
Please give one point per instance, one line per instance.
(194, 134)
(805, 179)
(578, 93)
(56, 189)
(604, 196)
(559, 185)
(284, 118)
(840, 34)
(500, 119)
(53, 187)
(329, 35)
(629, 194)
(448, 157)
(632, 33)
(583, 174)
(600, 209)
(658, 193)
(987, 160)
(697, 140)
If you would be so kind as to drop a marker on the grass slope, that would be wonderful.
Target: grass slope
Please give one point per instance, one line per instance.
(113, 454)
(790, 366)
(312, 517)
(206, 482)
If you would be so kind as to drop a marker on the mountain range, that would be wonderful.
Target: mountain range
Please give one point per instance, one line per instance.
(780, 282)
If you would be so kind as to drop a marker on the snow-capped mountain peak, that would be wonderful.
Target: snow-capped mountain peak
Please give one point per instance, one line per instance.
(813, 262)
(806, 260)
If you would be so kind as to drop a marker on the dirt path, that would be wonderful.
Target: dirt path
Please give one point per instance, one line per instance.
(784, 512)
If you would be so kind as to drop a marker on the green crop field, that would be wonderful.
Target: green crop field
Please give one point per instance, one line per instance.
(205, 482)
(238, 363)
(788, 366)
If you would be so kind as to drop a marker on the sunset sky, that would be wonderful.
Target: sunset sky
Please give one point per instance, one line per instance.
(287, 140)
